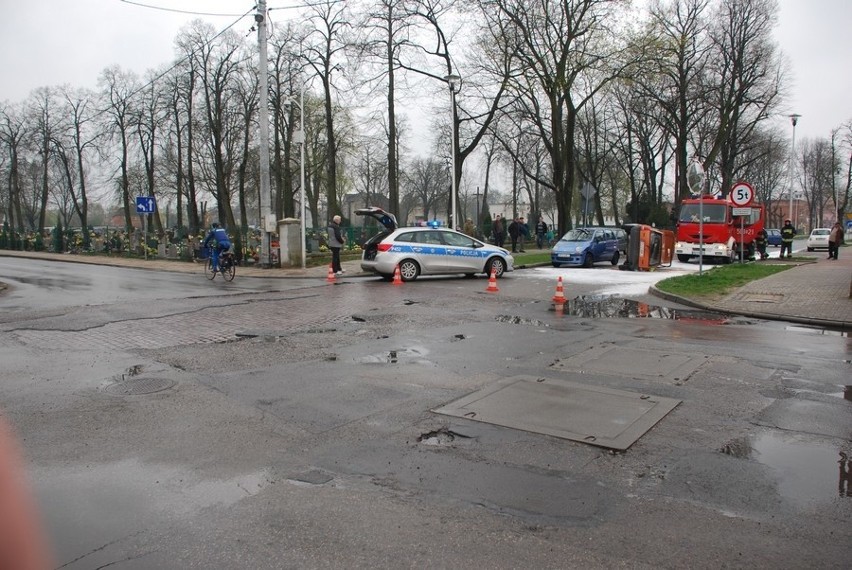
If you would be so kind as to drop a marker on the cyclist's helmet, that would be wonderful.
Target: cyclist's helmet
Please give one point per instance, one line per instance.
(214, 225)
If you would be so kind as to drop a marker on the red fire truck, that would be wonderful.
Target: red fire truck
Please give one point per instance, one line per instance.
(727, 230)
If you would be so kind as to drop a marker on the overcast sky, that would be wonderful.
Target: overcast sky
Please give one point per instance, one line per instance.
(53, 42)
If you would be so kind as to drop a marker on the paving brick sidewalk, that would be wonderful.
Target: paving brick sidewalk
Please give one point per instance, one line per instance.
(817, 293)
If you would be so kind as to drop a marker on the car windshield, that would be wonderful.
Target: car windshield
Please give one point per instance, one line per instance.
(820, 232)
(713, 213)
(578, 234)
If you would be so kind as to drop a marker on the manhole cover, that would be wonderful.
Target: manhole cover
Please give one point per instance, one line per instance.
(139, 386)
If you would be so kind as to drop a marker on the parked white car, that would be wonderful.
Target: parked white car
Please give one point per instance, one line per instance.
(818, 239)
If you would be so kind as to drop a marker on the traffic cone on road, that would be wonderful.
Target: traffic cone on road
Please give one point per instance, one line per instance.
(397, 278)
(330, 277)
(559, 298)
(492, 282)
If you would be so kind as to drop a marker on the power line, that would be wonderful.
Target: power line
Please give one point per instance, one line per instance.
(152, 7)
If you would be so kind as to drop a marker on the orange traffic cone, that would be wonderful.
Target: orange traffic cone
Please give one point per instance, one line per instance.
(492, 282)
(397, 278)
(330, 277)
(559, 298)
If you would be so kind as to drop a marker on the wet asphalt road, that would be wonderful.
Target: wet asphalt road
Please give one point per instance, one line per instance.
(289, 425)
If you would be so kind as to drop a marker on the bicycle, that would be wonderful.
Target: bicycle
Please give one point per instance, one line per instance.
(227, 266)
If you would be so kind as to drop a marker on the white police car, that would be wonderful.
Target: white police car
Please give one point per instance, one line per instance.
(428, 251)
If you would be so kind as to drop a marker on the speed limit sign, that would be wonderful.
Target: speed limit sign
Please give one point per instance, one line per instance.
(742, 194)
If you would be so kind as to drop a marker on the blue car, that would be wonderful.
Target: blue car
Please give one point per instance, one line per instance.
(585, 247)
(773, 237)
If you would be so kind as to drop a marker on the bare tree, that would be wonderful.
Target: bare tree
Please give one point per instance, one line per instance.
(567, 51)
(426, 182)
(841, 151)
(747, 75)
(386, 31)
(13, 131)
(816, 175)
(72, 146)
(44, 118)
(322, 50)
(147, 117)
(673, 78)
(117, 87)
(218, 62)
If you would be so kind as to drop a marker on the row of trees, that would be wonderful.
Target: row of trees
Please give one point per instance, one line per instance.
(554, 94)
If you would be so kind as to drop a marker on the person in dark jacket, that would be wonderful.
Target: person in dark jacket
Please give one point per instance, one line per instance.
(516, 231)
(540, 232)
(760, 242)
(499, 231)
(788, 232)
(335, 242)
(217, 241)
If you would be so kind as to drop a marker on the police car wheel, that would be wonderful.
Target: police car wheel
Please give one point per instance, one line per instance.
(496, 266)
(409, 270)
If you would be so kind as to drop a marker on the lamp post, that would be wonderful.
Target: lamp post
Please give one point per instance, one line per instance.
(453, 80)
(695, 181)
(794, 118)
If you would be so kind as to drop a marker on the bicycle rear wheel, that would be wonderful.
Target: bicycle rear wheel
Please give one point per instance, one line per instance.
(229, 269)
(208, 269)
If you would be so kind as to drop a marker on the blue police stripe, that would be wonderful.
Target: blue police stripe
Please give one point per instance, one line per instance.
(423, 249)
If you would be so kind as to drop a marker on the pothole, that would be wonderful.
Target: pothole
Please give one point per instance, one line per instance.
(440, 437)
(514, 320)
(139, 386)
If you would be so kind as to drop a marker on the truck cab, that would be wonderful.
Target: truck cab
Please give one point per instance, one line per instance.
(727, 231)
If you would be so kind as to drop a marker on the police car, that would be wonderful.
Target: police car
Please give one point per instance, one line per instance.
(428, 250)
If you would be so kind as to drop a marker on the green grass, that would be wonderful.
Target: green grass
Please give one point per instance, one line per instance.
(719, 280)
(532, 256)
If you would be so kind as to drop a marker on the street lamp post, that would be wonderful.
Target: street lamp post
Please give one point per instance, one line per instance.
(695, 181)
(453, 80)
(794, 118)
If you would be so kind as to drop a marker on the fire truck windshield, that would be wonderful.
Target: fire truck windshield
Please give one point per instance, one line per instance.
(713, 213)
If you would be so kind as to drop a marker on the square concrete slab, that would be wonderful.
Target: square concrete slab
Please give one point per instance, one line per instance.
(632, 362)
(599, 416)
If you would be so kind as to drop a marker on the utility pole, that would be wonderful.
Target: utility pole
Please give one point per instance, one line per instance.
(794, 118)
(263, 118)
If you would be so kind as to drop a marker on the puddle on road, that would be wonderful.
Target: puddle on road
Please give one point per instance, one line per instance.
(405, 355)
(607, 307)
(807, 472)
(815, 330)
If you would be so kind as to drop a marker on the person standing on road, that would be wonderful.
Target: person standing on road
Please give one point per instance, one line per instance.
(540, 232)
(514, 232)
(760, 243)
(335, 242)
(834, 239)
(498, 231)
(217, 241)
(788, 232)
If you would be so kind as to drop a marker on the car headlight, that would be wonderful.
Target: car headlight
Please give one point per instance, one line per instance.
(578, 249)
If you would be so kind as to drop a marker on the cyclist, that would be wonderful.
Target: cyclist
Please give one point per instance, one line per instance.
(222, 242)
